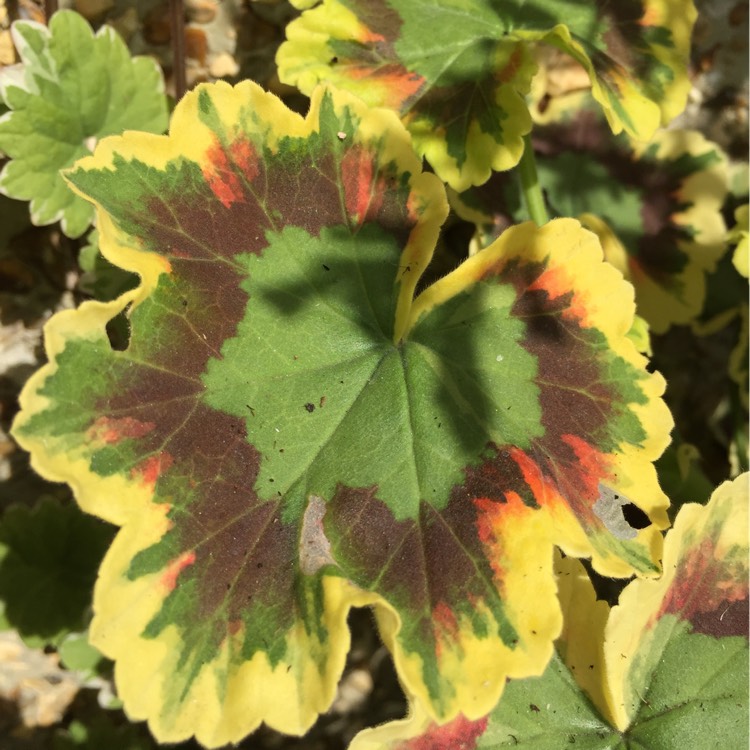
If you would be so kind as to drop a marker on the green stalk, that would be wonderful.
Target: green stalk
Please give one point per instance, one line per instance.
(532, 190)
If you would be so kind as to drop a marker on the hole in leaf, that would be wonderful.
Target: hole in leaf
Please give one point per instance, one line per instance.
(635, 516)
(607, 589)
(383, 700)
(118, 331)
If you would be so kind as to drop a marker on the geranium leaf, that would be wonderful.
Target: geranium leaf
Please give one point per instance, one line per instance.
(72, 88)
(457, 73)
(544, 713)
(100, 278)
(698, 607)
(665, 668)
(289, 433)
(656, 206)
(49, 556)
(636, 55)
(676, 183)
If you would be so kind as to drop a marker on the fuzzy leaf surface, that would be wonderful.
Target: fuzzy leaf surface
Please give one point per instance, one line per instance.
(457, 72)
(290, 433)
(72, 88)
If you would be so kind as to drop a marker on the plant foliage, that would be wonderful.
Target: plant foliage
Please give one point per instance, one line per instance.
(72, 89)
(297, 386)
(656, 206)
(231, 446)
(620, 678)
(49, 556)
(457, 72)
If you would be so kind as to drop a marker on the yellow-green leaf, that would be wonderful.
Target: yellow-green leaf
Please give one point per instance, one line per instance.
(667, 667)
(702, 597)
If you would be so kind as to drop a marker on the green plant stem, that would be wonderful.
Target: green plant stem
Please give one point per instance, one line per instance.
(532, 190)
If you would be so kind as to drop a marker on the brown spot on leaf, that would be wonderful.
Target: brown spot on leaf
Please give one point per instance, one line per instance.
(314, 547)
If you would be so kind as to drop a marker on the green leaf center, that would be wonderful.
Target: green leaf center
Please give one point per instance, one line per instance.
(326, 395)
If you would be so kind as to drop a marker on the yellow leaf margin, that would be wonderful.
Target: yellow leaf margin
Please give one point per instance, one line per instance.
(255, 691)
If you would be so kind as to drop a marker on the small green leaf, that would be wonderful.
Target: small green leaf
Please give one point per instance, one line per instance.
(49, 557)
(457, 72)
(681, 475)
(77, 653)
(74, 88)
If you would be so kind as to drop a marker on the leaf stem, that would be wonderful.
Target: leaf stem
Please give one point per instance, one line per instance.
(532, 190)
